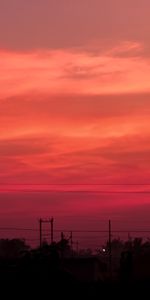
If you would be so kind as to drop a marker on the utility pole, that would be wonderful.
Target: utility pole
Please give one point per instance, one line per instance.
(71, 243)
(52, 230)
(62, 245)
(110, 250)
(51, 222)
(40, 230)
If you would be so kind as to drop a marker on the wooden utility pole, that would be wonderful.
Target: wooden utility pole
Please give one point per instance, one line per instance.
(40, 231)
(71, 241)
(110, 250)
(52, 230)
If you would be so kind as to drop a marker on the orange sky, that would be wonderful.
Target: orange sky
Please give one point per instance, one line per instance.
(74, 106)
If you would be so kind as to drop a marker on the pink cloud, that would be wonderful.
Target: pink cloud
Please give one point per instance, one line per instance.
(74, 108)
(75, 71)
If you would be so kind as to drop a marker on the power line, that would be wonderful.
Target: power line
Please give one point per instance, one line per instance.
(17, 229)
(75, 231)
(65, 184)
(75, 191)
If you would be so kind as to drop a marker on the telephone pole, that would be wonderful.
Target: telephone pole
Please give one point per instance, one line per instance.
(40, 231)
(71, 241)
(110, 250)
(52, 230)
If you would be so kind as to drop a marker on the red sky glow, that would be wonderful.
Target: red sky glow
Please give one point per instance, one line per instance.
(74, 111)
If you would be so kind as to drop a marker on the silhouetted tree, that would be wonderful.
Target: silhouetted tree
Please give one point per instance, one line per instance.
(12, 248)
(85, 252)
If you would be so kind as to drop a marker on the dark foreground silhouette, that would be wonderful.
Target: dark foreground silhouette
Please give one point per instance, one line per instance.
(55, 271)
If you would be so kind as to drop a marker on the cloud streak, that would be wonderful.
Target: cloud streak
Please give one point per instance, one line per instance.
(75, 116)
(75, 71)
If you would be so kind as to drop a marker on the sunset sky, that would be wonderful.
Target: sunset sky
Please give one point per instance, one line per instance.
(75, 109)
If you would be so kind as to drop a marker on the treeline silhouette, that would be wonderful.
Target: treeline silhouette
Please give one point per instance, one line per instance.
(58, 267)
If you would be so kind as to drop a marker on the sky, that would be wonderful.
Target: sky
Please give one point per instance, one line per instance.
(74, 112)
